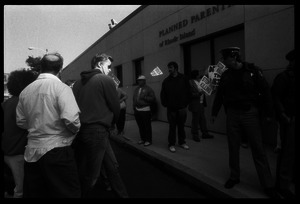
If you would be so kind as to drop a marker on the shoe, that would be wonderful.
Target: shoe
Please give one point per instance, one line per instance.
(230, 183)
(184, 146)
(207, 136)
(286, 194)
(141, 142)
(147, 143)
(172, 149)
(272, 193)
(196, 138)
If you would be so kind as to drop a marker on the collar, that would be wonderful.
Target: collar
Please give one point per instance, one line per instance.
(48, 76)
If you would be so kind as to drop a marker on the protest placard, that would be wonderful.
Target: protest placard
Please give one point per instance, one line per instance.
(156, 71)
(205, 85)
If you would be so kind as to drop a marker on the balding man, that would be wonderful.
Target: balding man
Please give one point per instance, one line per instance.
(48, 110)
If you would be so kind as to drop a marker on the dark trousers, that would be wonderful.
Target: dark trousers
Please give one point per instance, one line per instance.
(247, 122)
(92, 151)
(54, 175)
(286, 157)
(121, 121)
(143, 120)
(198, 119)
(176, 119)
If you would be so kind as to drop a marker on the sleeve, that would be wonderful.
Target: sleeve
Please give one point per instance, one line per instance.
(123, 95)
(69, 110)
(112, 99)
(20, 116)
(265, 95)
(217, 103)
(163, 95)
(278, 90)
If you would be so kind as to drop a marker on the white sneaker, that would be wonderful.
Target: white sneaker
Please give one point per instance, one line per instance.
(172, 149)
(184, 146)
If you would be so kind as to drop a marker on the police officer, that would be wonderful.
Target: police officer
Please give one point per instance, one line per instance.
(243, 92)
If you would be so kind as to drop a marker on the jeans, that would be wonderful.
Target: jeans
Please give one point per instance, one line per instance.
(92, 151)
(176, 118)
(247, 122)
(16, 164)
(54, 175)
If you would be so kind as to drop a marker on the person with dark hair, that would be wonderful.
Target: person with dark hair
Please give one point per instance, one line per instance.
(14, 138)
(197, 106)
(284, 94)
(243, 91)
(143, 97)
(48, 110)
(175, 96)
(98, 100)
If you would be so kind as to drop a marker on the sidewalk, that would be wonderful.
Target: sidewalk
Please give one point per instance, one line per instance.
(205, 164)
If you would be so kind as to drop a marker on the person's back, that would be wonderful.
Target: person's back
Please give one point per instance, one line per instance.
(96, 98)
(48, 110)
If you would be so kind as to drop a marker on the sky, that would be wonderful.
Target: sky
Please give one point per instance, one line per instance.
(67, 29)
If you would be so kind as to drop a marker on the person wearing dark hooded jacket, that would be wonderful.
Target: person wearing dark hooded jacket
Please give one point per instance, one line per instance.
(97, 98)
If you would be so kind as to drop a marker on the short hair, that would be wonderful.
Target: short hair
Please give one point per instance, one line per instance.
(194, 73)
(100, 58)
(51, 62)
(19, 79)
(173, 64)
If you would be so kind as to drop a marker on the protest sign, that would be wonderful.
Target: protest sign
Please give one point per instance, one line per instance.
(156, 71)
(205, 85)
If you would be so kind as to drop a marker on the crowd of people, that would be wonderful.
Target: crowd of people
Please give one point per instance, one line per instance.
(56, 137)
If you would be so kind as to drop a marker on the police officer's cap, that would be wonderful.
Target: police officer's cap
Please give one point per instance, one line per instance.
(230, 51)
(290, 55)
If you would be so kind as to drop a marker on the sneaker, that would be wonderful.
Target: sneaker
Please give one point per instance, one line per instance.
(141, 142)
(230, 183)
(147, 143)
(207, 136)
(184, 146)
(172, 149)
(272, 193)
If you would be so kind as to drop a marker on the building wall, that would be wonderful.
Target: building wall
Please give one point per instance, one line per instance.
(268, 35)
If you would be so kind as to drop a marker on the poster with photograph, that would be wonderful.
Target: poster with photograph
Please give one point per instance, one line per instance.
(215, 72)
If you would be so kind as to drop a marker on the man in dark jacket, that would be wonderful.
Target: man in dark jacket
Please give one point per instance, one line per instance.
(197, 106)
(284, 94)
(98, 101)
(143, 97)
(175, 96)
(241, 90)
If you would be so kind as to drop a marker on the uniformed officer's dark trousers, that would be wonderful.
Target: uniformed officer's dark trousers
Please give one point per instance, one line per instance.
(247, 122)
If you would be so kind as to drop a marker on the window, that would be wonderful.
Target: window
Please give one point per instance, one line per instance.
(119, 74)
(138, 66)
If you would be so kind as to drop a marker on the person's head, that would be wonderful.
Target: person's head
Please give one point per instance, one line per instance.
(195, 74)
(102, 62)
(290, 56)
(231, 57)
(19, 79)
(141, 80)
(52, 63)
(173, 68)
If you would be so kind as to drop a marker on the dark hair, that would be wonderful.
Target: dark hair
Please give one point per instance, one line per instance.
(100, 58)
(173, 64)
(51, 62)
(194, 74)
(19, 79)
